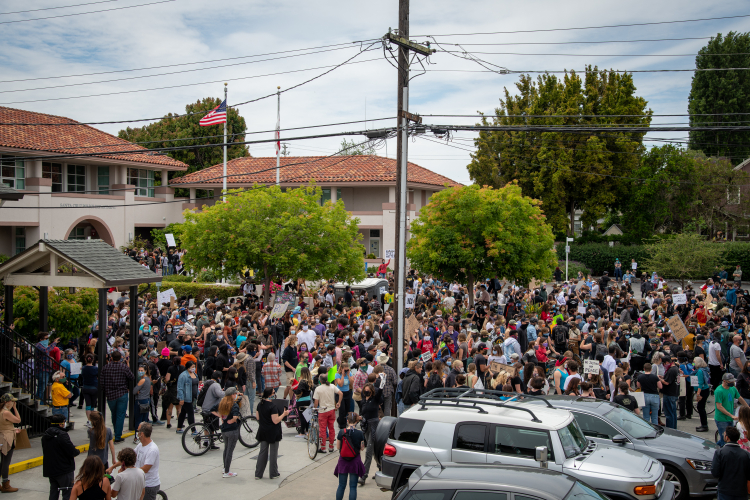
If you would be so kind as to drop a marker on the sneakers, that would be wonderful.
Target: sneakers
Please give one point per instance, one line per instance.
(179, 431)
(229, 474)
(300, 436)
(88, 424)
(158, 422)
(276, 477)
(322, 450)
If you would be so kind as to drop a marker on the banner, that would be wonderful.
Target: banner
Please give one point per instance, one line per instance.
(278, 310)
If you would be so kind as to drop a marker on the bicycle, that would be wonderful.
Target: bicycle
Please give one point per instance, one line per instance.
(198, 438)
(710, 406)
(312, 435)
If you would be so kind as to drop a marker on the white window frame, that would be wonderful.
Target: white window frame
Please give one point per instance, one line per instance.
(18, 179)
(733, 198)
(143, 179)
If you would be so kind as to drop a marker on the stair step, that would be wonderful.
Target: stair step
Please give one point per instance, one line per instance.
(4, 385)
(23, 396)
(15, 390)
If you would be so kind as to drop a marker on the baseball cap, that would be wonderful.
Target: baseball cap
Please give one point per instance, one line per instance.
(153, 354)
(514, 355)
(230, 391)
(724, 323)
(7, 398)
(187, 348)
(728, 377)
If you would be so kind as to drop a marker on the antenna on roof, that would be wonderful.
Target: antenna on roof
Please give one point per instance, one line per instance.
(442, 467)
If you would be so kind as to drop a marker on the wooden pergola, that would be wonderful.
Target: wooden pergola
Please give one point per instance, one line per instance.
(79, 264)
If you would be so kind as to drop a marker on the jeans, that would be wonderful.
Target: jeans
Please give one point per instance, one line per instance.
(618, 273)
(372, 426)
(41, 385)
(118, 409)
(342, 486)
(326, 422)
(721, 427)
(387, 405)
(702, 407)
(141, 417)
(230, 441)
(151, 492)
(61, 484)
(60, 410)
(268, 453)
(651, 408)
(670, 411)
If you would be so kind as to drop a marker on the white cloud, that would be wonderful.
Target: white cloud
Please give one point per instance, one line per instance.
(193, 30)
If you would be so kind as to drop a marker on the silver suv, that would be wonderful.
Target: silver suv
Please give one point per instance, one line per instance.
(476, 426)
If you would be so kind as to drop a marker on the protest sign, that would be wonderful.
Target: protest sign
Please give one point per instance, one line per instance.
(410, 299)
(410, 326)
(383, 290)
(581, 308)
(289, 297)
(279, 309)
(679, 298)
(161, 345)
(426, 356)
(167, 296)
(191, 303)
(170, 240)
(390, 254)
(591, 366)
(677, 327)
(499, 367)
(75, 368)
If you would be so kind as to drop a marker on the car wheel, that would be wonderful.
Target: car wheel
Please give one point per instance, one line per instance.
(675, 477)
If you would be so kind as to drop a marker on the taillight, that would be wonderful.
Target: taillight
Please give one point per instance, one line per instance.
(389, 450)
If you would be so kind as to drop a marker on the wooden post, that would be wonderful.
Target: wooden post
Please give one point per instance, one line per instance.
(101, 348)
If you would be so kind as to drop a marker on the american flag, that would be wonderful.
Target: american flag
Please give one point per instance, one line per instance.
(215, 116)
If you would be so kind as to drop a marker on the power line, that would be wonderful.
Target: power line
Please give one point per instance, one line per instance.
(597, 55)
(53, 8)
(567, 71)
(588, 27)
(191, 85)
(580, 116)
(90, 12)
(585, 42)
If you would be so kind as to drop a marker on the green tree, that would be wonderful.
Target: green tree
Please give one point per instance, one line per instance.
(472, 232)
(566, 171)
(353, 148)
(684, 256)
(724, 94)
(159, 239)
(70, 314)
(172, 129)
(282, 234)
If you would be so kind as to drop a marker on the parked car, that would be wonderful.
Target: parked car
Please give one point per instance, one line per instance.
(454, 481)
(686, 458)
(456, 425)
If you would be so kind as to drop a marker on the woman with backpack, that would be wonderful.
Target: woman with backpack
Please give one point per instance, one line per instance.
(435, 378)
(350, 442)
(372, 398)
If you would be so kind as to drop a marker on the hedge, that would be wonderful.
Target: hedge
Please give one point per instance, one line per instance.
(600, 257)
(197, 291)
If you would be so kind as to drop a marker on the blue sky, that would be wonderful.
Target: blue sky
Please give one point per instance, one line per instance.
(185, 31)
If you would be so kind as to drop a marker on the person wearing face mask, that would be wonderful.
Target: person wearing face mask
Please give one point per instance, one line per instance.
(229, 413)
(306, 336)
(65, 364)
(170, 334)
(372, 398)
(142, 394)
(60, 395)
(725, 396)
(187, 388)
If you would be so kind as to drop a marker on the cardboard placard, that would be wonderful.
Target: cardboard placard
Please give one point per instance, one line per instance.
(166, 296)
(160, 346)
(581, 308)
(170, 240)
(590, 366)
(22, 440)
(288, 297)
(383, 290)
(679, 298)
(640, 398)
(390, 254)
(191, 303)
(426, 356)
(411, 324)
(410, 300)
(677, 327)
(580, 285)
(499, 367)
(172, 302)
(534, 284)
(573, 346)
(279, 309)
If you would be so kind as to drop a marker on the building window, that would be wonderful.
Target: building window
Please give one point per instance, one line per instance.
(53, 171)
(12, 173)
(102, 179)
(77, 234)
(577, 227)
(374, 233)
(76, 178)
(733, 195)
(326, 196)
(20, 240)
(143, 180)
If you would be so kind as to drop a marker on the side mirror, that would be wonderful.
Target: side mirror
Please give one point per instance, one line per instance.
(620, 439)
(541, 454)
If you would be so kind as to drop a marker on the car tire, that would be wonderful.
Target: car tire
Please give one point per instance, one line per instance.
(385, 426)
(681, 490)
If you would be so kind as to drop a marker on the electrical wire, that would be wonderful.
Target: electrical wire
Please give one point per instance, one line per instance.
(600, 55)
(53, 8)
(194, 84)
(590, 27)
(567, 71)
(585, 42)
(581, 116)
(579, 128)
(82, 13)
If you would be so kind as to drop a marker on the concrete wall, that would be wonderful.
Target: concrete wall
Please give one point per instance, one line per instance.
(366, 199)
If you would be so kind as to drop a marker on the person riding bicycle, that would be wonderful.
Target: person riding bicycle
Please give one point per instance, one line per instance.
(211, 400)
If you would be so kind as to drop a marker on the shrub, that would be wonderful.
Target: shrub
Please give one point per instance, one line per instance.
(177, 278)
(371, 256)
(3, 258)
(206, 276)
(197, 291)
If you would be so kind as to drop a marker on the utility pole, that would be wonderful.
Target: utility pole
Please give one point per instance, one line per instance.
(404, 46)
(278, 132)
(224, 178)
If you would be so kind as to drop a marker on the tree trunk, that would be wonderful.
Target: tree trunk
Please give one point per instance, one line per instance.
(266, 286)
(470, 282)
(572, 231)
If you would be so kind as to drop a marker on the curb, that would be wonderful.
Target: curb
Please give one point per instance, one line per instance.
(36, 462)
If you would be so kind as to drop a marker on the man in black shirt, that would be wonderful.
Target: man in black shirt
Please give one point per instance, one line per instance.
(698, 351)
(670, 391)
(731, 466)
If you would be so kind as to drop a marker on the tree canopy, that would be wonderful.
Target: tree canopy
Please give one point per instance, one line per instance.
(352, 148)
(471, 232)
(280, 233)
(566, 171)
(170, 130)
(683, 256)
(70, 314)
(723, 94)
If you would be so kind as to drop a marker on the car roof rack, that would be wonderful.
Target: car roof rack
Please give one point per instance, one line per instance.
(457, 397)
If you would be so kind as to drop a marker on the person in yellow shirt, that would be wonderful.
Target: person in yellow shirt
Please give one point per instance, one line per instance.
(60, 395)
(388, 298)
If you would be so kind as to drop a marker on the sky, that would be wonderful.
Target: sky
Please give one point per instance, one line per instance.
(49, 65)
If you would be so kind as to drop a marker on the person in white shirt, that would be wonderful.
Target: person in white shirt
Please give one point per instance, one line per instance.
(306, 336)
(130, 481)
(633, 265)
(573, 369)
(147, 460)
(561, 298)
(609, 365)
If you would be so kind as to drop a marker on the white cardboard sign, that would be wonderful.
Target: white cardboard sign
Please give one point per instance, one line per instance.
(170, 240)
(410, 299)
(679, 298)
(590, 366)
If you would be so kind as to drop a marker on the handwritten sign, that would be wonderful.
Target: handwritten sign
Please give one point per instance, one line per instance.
(426, 356)
(410, 299)
(383, 290)
(590, 366)
(390, 254)
(161, 345)
(679, 298)
(279, 309)
(170, 240)
(582, 308)
(534, 284)
(410, 326)
(677, 327)
(499, 367)
(166, 296)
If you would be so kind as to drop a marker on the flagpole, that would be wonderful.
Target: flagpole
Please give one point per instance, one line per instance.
(278, 132)
(224, 179)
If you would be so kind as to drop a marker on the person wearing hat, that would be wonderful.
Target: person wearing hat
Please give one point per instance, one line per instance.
(391, 382)
(724, 398)
(187, 355)
(8, 418)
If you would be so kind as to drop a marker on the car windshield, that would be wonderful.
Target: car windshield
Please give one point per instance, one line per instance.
(581, 491)
(572, 439)
(631, 423)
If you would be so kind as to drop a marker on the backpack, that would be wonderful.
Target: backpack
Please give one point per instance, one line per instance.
(559, 332)
(203, 391)
(347, 450)
(356, 352)
(434, 382)
(601, 349)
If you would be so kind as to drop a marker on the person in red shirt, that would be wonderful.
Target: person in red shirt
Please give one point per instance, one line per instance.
(383, 268)
(425, 345)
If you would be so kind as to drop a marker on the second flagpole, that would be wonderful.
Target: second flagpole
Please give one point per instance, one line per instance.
(224, 179)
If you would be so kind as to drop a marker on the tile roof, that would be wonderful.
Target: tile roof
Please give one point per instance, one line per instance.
(104, 261)
(300, 169)
(70, 138)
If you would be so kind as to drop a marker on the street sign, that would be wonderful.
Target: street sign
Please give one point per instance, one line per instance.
(567, 248)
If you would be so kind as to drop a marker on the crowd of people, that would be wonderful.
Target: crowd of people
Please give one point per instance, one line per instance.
(337, 355)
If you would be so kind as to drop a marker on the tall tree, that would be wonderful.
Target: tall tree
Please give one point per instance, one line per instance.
(723, 94)
(683, 256)
(566, 171)
(175, 130)
(282, 234)
(472, 232)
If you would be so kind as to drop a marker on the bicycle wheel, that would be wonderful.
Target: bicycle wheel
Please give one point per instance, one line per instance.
(161, 495)
(312, 439)
(249, 432)
(710, 406)
(196, 440)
